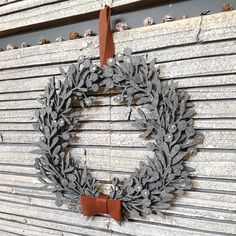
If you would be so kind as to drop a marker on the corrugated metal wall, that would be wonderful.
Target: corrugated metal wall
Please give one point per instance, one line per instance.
(199, 53)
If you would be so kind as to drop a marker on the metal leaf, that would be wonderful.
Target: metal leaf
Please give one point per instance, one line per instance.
(178, 158)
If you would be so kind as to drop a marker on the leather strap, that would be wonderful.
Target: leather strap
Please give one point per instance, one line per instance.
(106, 44)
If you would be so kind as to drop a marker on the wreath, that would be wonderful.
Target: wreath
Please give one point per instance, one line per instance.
(164, 116)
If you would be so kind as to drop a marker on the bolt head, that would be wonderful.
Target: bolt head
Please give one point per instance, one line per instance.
(61, 122)
(145, 193)
(120, 56)
(42, 139)
(172, 128)
(111, 61)
(93, 68)
(168, 137)
(81, 59)
(192, 151)
(138, 187)
(88, 102)
(118, 98)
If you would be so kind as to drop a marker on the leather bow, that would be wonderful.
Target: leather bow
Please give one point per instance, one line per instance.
(101, 204)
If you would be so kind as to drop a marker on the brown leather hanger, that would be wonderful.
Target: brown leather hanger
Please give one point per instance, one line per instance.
(106, 44)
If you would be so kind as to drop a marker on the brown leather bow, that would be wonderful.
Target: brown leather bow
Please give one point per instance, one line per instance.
(101, 204)
(106, 45)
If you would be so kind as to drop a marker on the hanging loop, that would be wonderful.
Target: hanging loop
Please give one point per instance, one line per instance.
(106, 44)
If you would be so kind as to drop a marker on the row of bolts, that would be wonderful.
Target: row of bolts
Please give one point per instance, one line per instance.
(120, 26)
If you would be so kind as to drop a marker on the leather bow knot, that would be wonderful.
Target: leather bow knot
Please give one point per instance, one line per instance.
(101, 204)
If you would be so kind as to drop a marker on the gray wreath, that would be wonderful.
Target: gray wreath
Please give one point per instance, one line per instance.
(165, 118)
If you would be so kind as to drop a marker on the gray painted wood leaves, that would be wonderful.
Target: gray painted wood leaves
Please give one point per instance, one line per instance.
(164, 118)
